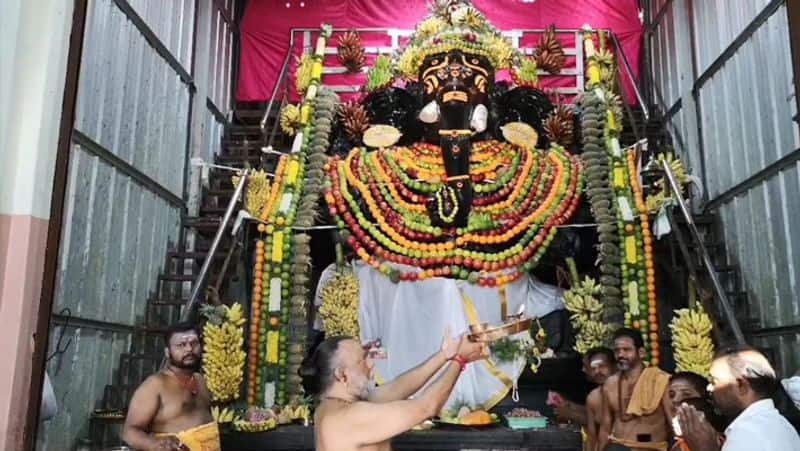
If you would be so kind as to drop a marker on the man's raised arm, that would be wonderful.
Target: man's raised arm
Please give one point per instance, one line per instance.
(412, 380)
(368, 423)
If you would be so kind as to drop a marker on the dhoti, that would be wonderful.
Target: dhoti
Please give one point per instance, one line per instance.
(200, 438)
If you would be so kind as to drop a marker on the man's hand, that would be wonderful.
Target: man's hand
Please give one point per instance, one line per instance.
(472, 350)
(698, 433)
(450, 344)
(169, 444)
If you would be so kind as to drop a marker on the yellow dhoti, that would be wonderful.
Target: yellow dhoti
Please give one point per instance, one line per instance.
(200, 438)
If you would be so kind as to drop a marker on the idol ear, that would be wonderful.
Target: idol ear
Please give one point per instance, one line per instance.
(479, 117)
(430, 113)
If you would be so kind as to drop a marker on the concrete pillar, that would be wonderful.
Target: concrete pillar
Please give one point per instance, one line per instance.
(34, 41)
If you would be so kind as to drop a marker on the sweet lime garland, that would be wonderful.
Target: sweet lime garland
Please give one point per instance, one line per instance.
(510, 224)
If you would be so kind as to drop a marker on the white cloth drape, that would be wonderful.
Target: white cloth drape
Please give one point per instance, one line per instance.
(410, 319)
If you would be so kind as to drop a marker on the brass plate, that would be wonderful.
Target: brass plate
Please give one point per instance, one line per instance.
(486, 334)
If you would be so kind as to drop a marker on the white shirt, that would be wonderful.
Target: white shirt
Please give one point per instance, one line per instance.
(761, 427)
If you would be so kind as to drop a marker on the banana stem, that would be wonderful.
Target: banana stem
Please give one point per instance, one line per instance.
(573, 271)
(339, 257)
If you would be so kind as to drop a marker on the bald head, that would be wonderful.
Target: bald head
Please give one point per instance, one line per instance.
(740, 377)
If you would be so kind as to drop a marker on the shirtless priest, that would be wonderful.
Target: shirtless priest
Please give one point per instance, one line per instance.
(171, 410)
(352, 415)
(636, 400)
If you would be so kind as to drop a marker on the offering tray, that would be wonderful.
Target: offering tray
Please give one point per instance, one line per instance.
(486, 333)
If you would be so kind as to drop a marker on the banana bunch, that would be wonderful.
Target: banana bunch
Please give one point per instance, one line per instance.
(257, 193)
(261, 426)
(659, 195)
(677, 167)
(290, 119)
(339, 309)
(691, 340)
(223, 415)
(224, 356)
(592, 334)
(587, 314)
(380, 74)
(302, 75)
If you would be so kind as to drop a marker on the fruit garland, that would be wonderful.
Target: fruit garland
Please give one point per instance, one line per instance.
(519, 198)
(691, 340)
(639, 243)
(313, 151)
(282, 260)
(603, 208)
(625, 244)
(223, 355)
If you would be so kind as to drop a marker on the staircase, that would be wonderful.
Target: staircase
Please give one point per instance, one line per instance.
(241, 147)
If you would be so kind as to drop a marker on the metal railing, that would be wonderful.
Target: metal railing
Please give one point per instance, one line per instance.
(199, 282)
(629, 72)
(719, 292)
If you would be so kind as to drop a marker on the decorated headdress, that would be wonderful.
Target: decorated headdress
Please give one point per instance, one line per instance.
(454, 25)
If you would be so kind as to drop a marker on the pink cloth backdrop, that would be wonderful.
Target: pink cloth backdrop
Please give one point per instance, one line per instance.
(267, 24)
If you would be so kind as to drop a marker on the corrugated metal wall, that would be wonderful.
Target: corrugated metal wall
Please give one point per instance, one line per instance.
(125, 189)
(731, 117)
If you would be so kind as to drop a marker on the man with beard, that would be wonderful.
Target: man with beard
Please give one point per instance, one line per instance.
(742, 383)
(635, 401)
(171, 409)
(352, 415)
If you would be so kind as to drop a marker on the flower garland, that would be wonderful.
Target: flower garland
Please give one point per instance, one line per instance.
(510, 226)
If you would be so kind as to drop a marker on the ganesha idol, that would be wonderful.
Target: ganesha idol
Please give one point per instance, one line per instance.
(452, 199)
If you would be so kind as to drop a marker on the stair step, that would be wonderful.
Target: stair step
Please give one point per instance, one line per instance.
(177, 277)
(240, 159)
(196, 255)
(168, 302)
(220, 192)
(201, 222)
(144, 356)
(726, 268)
(253, 146)
(715, 245)
(216, 211)
(245, 130)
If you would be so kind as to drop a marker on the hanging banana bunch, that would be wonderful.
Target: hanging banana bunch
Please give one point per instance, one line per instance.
(339, 309)
(257, 192)
(587, 314)
(223, 354)
(290, 119)
(691, 340)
